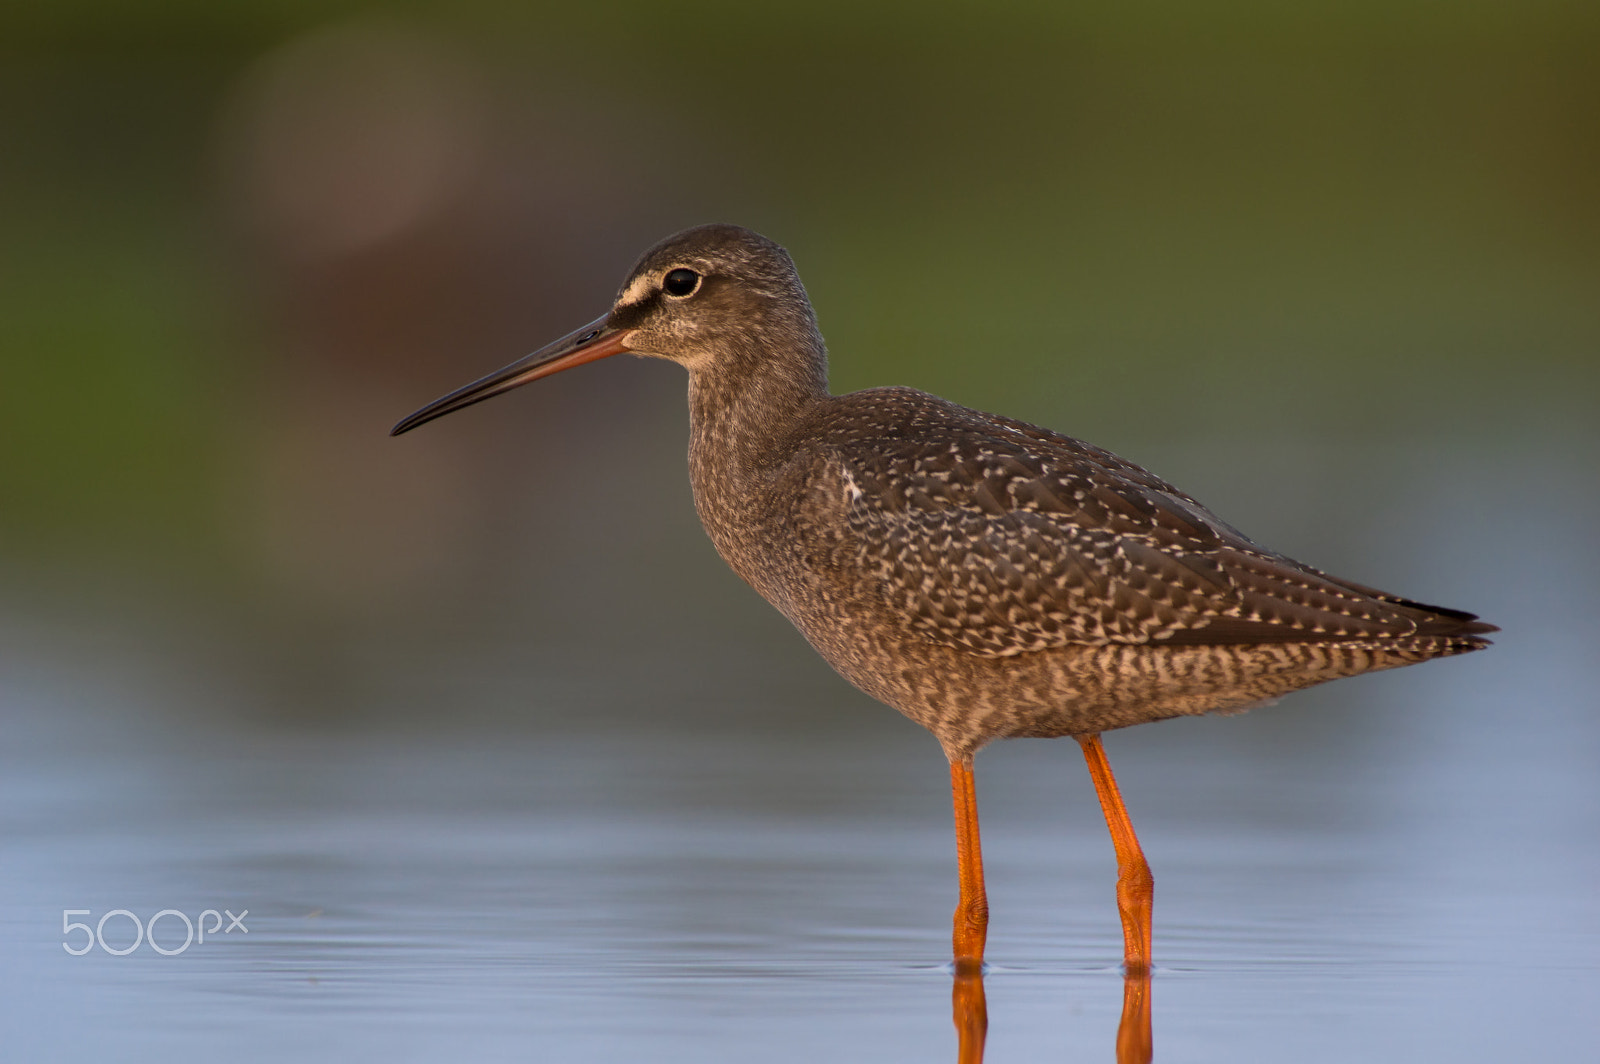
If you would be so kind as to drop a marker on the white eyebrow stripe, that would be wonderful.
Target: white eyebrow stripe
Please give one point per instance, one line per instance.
(638, 290)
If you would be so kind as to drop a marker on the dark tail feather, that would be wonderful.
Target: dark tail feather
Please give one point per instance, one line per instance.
(1431, 620)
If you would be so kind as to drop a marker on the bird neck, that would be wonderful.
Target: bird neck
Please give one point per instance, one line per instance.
(742, 410)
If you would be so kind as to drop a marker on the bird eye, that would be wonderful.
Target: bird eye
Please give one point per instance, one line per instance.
(680, 282)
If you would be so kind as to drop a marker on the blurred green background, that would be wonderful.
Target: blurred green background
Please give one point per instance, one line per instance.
(491, 744)
(1276, 252)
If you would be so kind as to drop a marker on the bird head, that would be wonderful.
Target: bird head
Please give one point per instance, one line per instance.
(715, 299)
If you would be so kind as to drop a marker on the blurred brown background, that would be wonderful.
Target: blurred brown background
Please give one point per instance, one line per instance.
(1307, 263)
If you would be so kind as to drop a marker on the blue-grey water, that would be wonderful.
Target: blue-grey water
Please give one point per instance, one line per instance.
(685, 840)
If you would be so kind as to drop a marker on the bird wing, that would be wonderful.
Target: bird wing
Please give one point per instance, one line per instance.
(1001, 538)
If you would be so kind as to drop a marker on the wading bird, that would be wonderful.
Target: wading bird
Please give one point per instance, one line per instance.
(987, 578)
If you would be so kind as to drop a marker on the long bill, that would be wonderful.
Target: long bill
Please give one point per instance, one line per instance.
(594, 341)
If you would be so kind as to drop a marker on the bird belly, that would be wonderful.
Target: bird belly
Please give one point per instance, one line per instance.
(968, 700)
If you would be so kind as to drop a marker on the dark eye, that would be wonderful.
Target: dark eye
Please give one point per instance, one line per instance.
(680, 282)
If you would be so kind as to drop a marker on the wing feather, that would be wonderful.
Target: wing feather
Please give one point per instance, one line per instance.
(1003, 538)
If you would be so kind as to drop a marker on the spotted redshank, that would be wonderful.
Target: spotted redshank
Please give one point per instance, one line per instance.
(987, 578)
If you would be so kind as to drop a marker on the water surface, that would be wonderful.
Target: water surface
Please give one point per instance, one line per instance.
(697, 844)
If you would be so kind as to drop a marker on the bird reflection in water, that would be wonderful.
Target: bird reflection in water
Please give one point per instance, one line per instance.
(970, 1011)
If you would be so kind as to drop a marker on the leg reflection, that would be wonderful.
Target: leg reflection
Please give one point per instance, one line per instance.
(970, 1011)
(1133, 1033)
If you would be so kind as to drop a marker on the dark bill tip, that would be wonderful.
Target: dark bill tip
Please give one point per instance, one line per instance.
(594, 341)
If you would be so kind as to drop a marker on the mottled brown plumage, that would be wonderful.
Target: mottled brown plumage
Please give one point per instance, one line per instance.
(991, 579)
(985, 577)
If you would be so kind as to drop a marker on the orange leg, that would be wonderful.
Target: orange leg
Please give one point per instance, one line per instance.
(1135, 887)
(972, 912)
